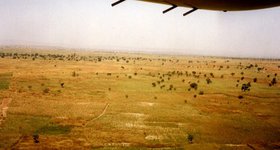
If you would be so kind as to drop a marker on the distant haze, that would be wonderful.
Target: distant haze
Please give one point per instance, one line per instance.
(139, 26)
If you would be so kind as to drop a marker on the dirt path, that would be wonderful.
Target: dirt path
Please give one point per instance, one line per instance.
(4, 108)
(103, 112)
(88, 121)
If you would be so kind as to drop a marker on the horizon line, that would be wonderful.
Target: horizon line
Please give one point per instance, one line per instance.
(126, 50)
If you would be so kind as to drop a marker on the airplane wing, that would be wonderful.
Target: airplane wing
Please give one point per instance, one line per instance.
(219, 5)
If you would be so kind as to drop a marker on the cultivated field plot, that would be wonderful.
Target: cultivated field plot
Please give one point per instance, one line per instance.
(62, 100)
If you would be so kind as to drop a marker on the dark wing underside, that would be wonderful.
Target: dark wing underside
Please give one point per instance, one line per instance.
(229, 5)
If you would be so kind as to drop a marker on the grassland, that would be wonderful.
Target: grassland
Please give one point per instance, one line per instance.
(92, 100)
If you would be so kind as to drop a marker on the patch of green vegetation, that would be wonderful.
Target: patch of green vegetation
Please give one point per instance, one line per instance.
(5, 80)
(16, 125)
(54, 129)
(23, 123)
(160, 124)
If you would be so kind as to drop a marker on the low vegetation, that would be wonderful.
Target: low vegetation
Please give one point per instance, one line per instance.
(93, 100)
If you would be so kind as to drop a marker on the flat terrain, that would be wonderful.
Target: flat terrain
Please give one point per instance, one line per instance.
(94, 100)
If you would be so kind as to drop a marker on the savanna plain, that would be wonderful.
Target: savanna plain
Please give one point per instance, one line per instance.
(66, 99)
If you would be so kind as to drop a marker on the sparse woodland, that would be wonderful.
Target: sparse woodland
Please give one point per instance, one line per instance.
(84, 100)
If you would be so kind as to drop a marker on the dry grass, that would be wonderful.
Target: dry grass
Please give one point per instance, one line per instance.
(139, 115)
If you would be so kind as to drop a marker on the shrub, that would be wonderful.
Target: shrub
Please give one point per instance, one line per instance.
(240, 97)
(62, 85)
(246, 87)
(201, 93)
(273, 82)
(190, 138)
(194, 86)
(208, 80)
(170, 86)
(74, 74)
(255, 79)
(46, 90)
(36, 138)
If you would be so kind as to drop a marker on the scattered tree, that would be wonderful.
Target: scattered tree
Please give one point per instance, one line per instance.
(255, 80)
(240, 97)
(273, 82)
(201, 93)
(246, 87)
(62, 85)
(194, 86)
(208, 81)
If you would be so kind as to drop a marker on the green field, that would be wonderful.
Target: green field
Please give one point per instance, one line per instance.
(94, 100)
(5, 80)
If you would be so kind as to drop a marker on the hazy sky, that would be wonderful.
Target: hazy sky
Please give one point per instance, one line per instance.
(139, 26)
